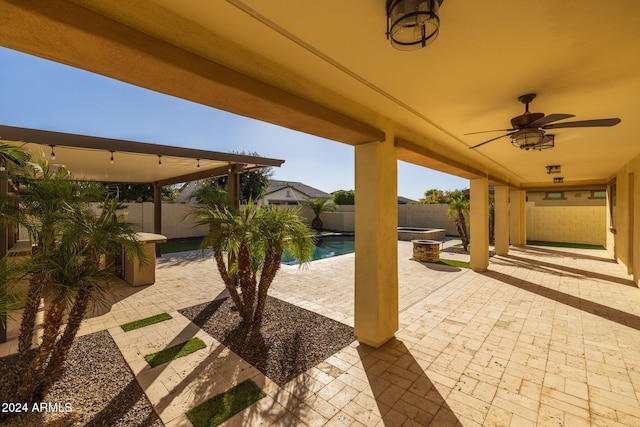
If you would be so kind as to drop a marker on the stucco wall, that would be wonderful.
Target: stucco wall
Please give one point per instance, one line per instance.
(573, 224)
(624, 244)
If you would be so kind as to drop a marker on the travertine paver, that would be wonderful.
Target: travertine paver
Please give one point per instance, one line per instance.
(547, 336)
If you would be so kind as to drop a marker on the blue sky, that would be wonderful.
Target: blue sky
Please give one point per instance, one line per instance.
(40, 94)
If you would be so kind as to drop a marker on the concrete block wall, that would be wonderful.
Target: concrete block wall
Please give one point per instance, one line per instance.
(426, 216)
(573, 224)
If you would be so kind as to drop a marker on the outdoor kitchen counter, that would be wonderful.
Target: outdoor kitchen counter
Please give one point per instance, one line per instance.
(137, 275)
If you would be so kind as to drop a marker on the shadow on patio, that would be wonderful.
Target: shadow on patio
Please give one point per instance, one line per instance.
(401, 388)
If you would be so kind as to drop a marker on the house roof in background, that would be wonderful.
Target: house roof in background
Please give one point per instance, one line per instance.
(307, 190)
(404, 200)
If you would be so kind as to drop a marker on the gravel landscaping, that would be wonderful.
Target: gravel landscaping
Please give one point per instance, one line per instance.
(290, 340)
(97, 386)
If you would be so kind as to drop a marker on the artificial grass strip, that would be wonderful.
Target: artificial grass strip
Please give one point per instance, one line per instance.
(136, 324)
(181, 245)
(175, 352)
(220, 408)
(564, 245)
(454, 263)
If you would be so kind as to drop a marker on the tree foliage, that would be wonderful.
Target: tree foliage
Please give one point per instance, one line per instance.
(67, 266)
(253, 240)
(432, 197)
(138, 193)
(459, 207)
(344, 198)
(318, 206)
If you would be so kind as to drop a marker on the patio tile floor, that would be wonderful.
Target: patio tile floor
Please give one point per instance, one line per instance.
(547, 336)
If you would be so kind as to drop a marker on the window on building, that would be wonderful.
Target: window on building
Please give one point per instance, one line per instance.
(288, 193)
(554, 195)
(598, 194)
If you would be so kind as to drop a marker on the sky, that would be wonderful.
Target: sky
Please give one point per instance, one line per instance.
(40, 94)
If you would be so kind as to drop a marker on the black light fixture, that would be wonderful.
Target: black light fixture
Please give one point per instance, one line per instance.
(198, 163)
(53, 153)
(111, 160)
(159, 160)
(532, 139)
(558, 180)
(412, 24)
(553, 169)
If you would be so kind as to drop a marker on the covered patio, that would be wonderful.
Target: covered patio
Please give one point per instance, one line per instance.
(547, 337)
(268, 61)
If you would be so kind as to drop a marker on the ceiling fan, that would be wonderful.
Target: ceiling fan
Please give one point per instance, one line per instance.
(528, 130)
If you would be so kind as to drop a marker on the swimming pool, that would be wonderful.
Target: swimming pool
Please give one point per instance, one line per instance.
(327, 246)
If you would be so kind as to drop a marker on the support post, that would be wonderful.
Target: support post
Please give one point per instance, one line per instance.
(501, 218)
(233, 185)
(4, 248)
(479, 224)
(157, 215)
(376, 256)
(517, 217)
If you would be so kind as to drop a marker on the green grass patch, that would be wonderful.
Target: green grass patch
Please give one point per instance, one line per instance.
(136, 324)
(564, 245)
(181, 245)
(220, 408)
(171, 353)
(454, 263)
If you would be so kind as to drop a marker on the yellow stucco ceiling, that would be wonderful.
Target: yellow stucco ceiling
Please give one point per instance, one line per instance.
(579, 56)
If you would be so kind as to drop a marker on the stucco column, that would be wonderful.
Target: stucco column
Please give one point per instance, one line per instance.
(376, 257)
(479, 224)
(157, 215)
(4, 247)
(501, 219)
(517, 217)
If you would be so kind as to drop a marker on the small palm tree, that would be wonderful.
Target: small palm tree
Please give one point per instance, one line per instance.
(458, 208)
(318, 206)
(256, 239)
(66, 267)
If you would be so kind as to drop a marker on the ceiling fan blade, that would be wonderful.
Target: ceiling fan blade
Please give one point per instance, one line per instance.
(584, 124)
(550, 118)
(487, 131)
(490, 140)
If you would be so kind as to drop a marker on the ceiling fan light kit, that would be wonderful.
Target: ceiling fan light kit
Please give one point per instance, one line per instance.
(412, 24)
(528, 129)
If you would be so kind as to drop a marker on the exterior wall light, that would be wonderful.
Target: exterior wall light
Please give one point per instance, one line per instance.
(553, 169)
(412, 24)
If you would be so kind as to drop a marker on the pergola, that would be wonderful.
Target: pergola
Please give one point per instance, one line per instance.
(89, 158)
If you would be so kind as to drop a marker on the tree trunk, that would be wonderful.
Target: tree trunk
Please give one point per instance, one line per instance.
(269, 270)
(27, 326)
(228, 283)
(31, 379)
(247, 282)
(317, 224)
(76, 315)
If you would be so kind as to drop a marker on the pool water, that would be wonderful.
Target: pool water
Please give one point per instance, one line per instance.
(326, 247)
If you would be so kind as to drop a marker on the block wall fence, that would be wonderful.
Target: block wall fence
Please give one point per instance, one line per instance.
(574, 224)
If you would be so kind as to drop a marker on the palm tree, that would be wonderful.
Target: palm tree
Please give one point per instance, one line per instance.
(10, 271)
(86, 238)
(318, 206)
(256, 239)
(458, 208)
(64, 267)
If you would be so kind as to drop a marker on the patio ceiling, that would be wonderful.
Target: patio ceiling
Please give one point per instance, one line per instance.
(327, 69)
(89, 157)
